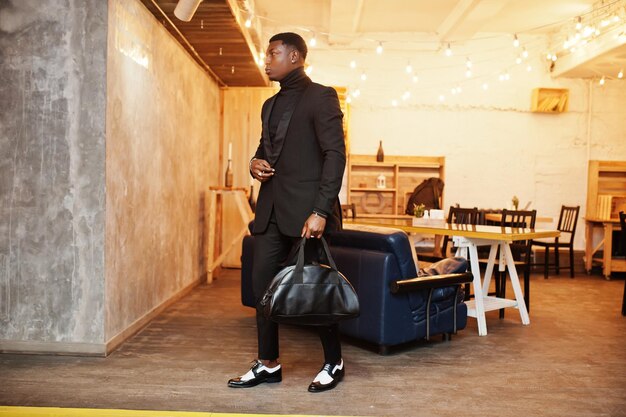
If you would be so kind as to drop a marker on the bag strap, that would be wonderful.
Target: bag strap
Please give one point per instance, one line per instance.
(300, 261)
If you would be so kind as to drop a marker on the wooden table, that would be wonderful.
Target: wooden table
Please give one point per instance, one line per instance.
(467, 238)
(497, 218)
(609, 264)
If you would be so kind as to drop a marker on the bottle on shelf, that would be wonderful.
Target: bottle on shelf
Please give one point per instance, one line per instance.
(228, 177)
(380, 155)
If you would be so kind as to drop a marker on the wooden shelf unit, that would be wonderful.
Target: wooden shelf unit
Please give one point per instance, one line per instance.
(606, 189)
(402, 175)
(550, 100)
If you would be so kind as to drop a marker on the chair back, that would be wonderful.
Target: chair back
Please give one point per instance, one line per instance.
(348, 211)
(568, 220)
(459, 215)
(522, 219)
(518, 218)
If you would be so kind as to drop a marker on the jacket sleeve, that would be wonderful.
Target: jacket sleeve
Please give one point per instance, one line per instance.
(329, 132)
(260, 151)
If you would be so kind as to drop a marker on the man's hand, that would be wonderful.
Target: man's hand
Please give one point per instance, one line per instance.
(314, 226)
(261, 170)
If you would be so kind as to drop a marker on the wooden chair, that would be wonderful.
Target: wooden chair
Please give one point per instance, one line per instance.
(348, 211)
(456, 215)
(567, 226)
(521, 250)
(622, 221)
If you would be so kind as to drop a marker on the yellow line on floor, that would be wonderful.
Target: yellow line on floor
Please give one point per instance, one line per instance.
(6, 411)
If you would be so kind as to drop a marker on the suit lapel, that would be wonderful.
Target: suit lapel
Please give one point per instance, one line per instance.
(283, 125)
(267, 143)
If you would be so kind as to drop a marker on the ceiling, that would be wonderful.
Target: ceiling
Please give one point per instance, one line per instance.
(348, 23)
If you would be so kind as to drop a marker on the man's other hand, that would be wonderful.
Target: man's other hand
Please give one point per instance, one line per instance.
(314, 226)
(261, 170)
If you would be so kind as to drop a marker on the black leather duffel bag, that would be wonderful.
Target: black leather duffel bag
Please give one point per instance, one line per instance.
(313, 294)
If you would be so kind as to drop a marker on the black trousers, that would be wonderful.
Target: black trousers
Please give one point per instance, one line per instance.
(272, 250)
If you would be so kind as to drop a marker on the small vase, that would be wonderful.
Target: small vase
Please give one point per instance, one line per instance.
(380, 155)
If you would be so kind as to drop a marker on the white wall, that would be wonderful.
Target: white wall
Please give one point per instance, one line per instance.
(494, 146)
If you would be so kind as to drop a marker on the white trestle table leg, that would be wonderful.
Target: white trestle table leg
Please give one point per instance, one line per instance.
(519, 296)
(489, 270)
(478, 291)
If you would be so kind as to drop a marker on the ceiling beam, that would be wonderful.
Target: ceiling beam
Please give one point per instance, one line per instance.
(456, 17)
(345, 19)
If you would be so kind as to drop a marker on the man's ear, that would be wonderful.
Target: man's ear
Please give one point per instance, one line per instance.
(295, 56)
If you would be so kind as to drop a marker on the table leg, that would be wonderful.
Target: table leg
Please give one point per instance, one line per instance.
(489, 270)
(588, 246)
(478, 291)
(519, 296)
(608, 248)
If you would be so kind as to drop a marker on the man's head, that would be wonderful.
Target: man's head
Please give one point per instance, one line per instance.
(286, 52)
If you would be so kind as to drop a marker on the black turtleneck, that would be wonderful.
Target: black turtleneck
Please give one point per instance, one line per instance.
(291, 87)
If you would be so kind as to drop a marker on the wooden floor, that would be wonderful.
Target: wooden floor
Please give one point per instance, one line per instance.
(570, 361)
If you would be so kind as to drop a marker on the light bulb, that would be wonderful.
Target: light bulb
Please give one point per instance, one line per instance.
(554, 58)
(468, 63)
(415, 79)
(620, 74)
(353, 64)
(394, 103)
(524, 53)
(356, 93)
(363, 77)
(579, 24)
(616, 18)
(442, 97)
(459, 90)
(549, 56)
(529, 68)
(313, 42)
(453, 91)
(518, 60)
(485, 86)
(468, 73)
(248, 22)
(348, 99)
(515, 41)
(379, 48)
(406, 95)
(602, 81)
(309, 70)
(448, 50)
(409, 68)
(605, 22)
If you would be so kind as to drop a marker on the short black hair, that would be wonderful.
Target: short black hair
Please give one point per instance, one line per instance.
(292, 39)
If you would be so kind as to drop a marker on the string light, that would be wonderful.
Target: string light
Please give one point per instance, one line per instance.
(448, 50)
(353, 64)
(415, 79)
(309, 70)
(313, 41)
(348, 99)
(579, 23)
(249, 21)
(379, 48)
(529, 68)
(515, 41)
(356, 93)
(602, 81)
(442, 97)
(394, 103)
(524, 53)
(409, 68)
(485, 86)
(620, 74)
(518, 60)
(363, 77)
(406, 95)
(468, 73)
(468, 63)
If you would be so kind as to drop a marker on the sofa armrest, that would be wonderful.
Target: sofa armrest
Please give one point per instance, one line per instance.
(430, 281)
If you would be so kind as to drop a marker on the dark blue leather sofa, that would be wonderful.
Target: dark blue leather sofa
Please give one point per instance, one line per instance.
(393, 299)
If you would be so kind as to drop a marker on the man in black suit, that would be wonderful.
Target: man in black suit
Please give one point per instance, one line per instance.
(300, 163)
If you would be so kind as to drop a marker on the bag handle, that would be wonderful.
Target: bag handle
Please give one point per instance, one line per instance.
(300, 261)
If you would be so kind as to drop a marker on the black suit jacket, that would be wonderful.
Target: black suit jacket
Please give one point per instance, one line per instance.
(309, 156)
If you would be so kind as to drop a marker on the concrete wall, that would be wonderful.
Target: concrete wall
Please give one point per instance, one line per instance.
(163, 131)
(52, 186)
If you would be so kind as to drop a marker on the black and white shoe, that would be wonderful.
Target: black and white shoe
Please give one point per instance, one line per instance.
(328, 377)
(258, 374)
